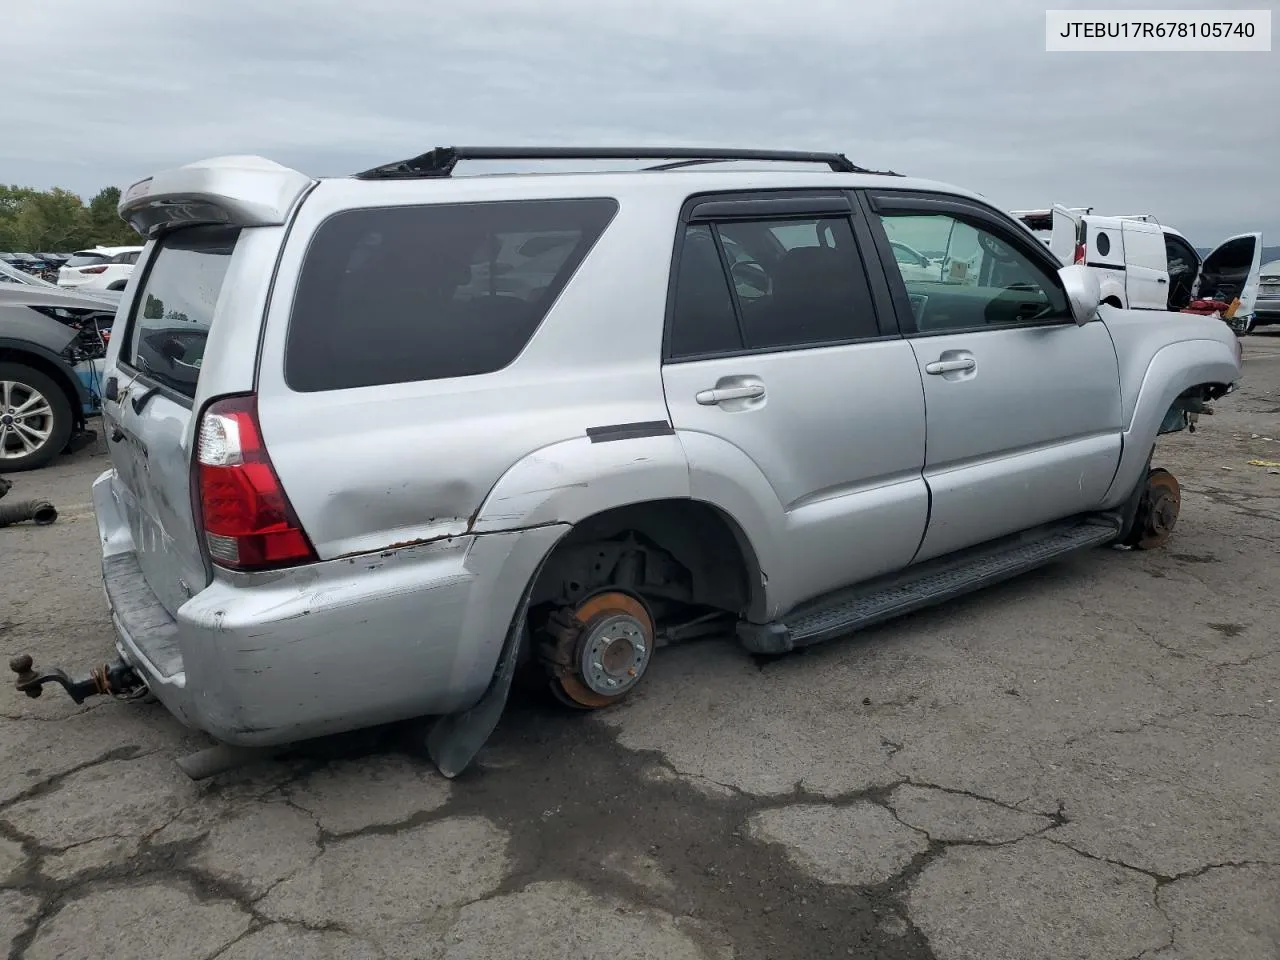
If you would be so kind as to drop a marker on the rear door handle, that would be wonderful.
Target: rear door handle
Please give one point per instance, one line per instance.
(1162, 279)
(749, 391)
(950, 366)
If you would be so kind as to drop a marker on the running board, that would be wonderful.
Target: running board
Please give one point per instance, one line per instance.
(933, 582)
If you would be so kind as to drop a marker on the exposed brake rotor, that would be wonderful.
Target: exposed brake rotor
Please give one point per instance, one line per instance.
(596, 653)
(1157, 512)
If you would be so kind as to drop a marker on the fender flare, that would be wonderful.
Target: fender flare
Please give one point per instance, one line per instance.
(568, 481)
(1173, 369)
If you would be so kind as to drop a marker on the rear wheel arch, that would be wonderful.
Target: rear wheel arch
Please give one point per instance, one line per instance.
(715, 563)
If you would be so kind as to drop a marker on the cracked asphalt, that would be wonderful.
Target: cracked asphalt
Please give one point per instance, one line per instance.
(1084, 763)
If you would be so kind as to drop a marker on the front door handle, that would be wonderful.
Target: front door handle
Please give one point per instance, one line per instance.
(748, 391)
(1162, 279)
(950, 366)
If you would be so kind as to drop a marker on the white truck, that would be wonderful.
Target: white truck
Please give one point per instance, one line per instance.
(1145, 265)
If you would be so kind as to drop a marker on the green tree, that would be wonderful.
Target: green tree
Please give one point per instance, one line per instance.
(105, 223)
(59, 220)
(56, 220)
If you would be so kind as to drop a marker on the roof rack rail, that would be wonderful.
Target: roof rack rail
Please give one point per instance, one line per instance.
(441, 161)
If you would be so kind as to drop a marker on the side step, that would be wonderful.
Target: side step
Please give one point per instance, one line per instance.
(917, 587)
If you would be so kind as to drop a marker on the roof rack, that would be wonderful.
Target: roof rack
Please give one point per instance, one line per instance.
(441, 161)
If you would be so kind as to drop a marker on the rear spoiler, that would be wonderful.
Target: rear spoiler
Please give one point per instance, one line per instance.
(243, 191)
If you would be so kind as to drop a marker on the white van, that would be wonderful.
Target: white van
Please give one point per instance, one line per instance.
(1144, 265)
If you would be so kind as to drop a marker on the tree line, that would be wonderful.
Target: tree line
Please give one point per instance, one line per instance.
(59, 221)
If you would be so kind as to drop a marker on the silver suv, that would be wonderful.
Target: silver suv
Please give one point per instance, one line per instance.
(377, 440)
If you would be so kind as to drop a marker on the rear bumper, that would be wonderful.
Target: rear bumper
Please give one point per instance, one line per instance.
(334, 646)
(1266, 311)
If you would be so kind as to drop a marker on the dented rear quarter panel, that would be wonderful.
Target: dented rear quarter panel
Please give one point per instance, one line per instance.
(410, 462)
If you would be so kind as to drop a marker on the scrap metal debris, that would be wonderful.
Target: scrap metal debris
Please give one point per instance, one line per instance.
(40, 511)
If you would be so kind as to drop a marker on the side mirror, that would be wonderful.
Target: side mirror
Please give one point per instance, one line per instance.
(1084, 293)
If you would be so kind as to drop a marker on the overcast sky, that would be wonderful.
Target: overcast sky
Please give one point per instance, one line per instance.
(104, 93)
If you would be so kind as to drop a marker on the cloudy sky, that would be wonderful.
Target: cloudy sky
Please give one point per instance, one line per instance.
(957, 90)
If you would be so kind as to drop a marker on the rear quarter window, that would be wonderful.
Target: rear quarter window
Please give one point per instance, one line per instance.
(405, 294)
(174, 309)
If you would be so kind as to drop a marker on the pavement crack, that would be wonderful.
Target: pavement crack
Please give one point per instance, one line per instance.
(249, 931)
(52, 782)
(1158, 878)
(1225, 865)
(957, 792)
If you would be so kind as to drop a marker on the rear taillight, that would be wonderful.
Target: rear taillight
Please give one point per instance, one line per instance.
(1079, 256)
(102, 269)
(247, 520)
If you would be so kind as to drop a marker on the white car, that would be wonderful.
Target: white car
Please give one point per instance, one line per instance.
(102, 268)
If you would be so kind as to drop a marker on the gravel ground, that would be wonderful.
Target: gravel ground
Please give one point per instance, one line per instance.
(1083, 763)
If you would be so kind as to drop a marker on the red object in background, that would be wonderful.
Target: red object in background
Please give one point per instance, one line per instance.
(1206, 307)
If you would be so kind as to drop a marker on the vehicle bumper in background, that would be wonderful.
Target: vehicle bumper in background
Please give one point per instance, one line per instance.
(1266, 311)
(274, 658)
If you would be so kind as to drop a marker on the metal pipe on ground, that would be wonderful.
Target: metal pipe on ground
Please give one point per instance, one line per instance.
(42, 512)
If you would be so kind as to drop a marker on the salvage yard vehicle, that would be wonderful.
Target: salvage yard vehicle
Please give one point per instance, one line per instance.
(52, 343)
(705, 400)
(1267, 310)
(1145, 265)
(102, 268)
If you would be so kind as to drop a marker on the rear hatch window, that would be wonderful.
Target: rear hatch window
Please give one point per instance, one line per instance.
(403, 294)
(174, 309)
(86, 260)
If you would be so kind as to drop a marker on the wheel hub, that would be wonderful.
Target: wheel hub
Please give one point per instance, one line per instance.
(1159, 511)
(600, 650)
(614, 654)
(26, 422)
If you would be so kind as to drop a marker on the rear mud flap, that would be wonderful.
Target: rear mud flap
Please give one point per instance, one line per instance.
(454, 740)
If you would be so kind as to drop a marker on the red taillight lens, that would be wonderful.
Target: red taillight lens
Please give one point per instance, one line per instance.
(93, 269)
(1079, 257)
(248, 522)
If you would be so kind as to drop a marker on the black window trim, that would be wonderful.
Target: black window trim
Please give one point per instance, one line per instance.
(138, 376)
(714, 207)
(890, 202)
(315, 231)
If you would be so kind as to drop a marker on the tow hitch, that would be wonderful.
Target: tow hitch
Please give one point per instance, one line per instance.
(115, 679)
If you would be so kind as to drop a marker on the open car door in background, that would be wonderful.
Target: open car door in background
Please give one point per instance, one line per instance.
(1065, 235)
(1232, 270)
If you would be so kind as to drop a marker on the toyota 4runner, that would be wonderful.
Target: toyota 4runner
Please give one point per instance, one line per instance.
(377, 440)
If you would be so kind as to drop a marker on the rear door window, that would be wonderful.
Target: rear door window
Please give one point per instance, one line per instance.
(405, 294)
(789, 284)
(174, 309)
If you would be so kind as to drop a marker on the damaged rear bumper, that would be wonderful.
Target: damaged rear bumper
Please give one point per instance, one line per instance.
(266, 659)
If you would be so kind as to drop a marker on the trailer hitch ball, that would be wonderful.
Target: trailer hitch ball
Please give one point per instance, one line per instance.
(115, 679)
(21, 665)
